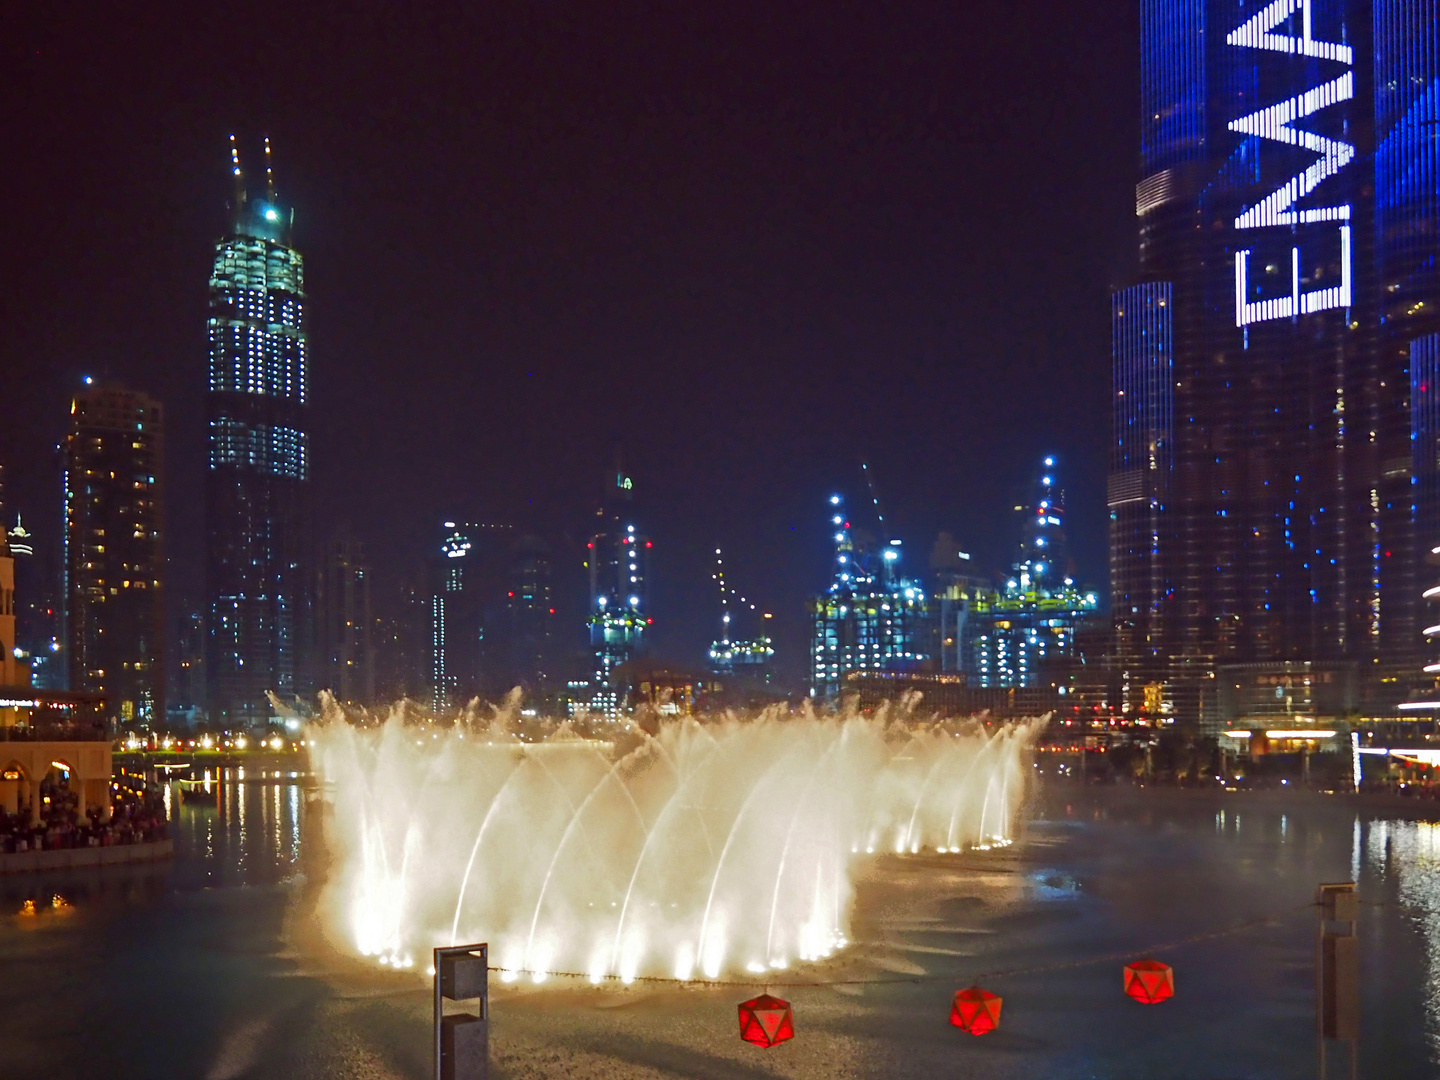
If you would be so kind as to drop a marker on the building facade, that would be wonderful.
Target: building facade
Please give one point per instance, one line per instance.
(259, 578)
(1143, 415)
(466, 579)
(37, 611)
(113, 460)
(346, 623)
(871, 618)
(1270, 487)
(617, 557)
(1029, 623)
(13, 674)
(530, 620)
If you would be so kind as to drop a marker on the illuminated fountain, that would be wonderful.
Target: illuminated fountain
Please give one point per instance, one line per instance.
(707, 849)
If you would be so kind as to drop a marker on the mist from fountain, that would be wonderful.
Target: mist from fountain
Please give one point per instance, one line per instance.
(708, 848)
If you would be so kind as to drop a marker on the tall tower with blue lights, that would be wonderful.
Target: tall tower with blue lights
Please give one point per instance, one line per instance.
(1275, 483)
(617, 557)
(258, 476)
(871, 619)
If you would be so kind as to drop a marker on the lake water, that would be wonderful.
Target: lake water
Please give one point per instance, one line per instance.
(213, 967)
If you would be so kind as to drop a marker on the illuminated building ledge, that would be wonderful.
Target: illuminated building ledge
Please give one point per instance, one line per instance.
(28, 862)
(1278, 734)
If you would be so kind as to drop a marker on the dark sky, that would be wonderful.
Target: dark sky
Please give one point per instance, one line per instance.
(753, 243)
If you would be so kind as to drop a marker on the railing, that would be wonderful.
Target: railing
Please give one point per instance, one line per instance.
(56, 731)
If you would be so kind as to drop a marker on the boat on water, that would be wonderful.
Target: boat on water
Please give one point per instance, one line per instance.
(197, 792)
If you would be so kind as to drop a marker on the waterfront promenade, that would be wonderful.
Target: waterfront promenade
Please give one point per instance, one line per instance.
(29, 862)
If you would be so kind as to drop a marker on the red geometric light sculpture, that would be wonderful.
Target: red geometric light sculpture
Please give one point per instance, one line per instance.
(766, 1020)
(1149, 981)
(975, 1010)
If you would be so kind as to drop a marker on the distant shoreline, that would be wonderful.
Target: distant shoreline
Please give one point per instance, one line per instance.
(1378, 802)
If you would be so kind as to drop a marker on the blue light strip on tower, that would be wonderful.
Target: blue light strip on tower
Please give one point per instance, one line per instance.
(1172, 82)
(1407, 131)
(1144, 403)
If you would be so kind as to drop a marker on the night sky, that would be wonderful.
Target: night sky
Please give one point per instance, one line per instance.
(750, 244)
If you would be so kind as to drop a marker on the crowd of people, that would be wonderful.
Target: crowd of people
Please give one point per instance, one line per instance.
(137, 816)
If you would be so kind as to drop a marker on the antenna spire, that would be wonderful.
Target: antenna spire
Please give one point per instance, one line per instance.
(269, 174)
(724, 598)
(235, 168)
(874, 497)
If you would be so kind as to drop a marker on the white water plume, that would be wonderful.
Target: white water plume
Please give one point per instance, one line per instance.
(708, 848)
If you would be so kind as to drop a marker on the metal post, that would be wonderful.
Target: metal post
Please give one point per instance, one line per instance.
(1337, 970)
(462, 1039)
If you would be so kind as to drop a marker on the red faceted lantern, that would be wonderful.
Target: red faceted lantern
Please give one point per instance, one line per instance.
(1149, 981)
(766, 1020)
(976, 1011)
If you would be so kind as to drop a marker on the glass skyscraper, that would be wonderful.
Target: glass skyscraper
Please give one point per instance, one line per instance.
(1267, 502)
(114, 553)
(1143, 416)
(258, 544)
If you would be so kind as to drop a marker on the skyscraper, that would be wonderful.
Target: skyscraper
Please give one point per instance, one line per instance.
(530, 629)
(870, 619)
(12, 673)
(617, 557)
(257, 521)
(1270, 487)
(114, 554)
(1143, 416)
(1030, 622)
(37, 611)
(346, 624)
(465, 654)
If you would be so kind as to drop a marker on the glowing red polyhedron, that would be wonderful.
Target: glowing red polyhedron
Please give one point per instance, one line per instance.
(976, 1011)
(766, 1020)
(1149, 981)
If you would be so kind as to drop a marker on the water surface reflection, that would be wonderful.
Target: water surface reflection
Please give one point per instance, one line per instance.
(239, 827)
(192, 968)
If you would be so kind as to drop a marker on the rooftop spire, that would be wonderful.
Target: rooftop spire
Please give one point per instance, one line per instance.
(235, 168)
(269, 174)
(724, 598)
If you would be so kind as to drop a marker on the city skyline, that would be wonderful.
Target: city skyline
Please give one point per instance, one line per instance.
(259, 427)
(481, 329)
(510, 513)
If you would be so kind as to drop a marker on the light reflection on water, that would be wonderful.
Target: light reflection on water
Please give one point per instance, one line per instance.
(256, 832)
(250, 834)
(1122, 870)
(1409, 853)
